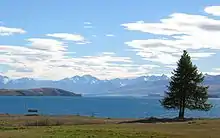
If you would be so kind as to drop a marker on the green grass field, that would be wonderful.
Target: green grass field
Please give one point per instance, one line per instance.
(87, 127)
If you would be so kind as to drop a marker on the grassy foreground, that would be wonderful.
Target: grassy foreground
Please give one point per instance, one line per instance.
(88, 127)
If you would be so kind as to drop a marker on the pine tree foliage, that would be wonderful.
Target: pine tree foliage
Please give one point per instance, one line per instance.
(186, 89)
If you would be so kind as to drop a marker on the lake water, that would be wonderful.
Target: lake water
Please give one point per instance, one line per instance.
(114, 107)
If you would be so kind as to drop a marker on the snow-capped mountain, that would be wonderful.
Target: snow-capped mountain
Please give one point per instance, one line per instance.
(89, 85)
(4, 79)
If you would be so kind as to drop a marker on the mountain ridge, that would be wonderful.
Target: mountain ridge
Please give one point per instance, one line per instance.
(92, 86)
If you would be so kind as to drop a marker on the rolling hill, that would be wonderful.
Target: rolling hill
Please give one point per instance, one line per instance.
(36, 92)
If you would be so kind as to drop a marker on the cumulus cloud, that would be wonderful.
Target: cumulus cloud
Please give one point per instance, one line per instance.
(179, 32)
(49, 58)
(214, 10)
(46, 44)
(54, 63)
(6, 31)
(68, 37)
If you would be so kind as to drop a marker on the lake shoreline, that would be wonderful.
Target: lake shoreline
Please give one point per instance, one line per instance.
(129, 120)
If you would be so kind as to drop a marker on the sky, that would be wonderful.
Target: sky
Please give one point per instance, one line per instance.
(56, 39)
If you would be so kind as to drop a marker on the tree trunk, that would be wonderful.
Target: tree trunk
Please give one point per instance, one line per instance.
(180, 112)
(181, 109)
(183, 112)
(183, 105)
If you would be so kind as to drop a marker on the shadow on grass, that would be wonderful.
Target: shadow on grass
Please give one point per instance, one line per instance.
(45, 122)
(4, 128)
(157, 120)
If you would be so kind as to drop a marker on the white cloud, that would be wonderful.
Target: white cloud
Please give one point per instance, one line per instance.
(217, 69)
(69, 37)
(88, 25)
(83, 43)
(171, 66)
(196, 56)
(214, 10)
(110, 35)
(108, 53)
(179, 32)
(49, 59)
(46, 44)
(54, 63)
(214, 71)
(6, 31)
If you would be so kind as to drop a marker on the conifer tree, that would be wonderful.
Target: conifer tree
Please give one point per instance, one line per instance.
(186, 89)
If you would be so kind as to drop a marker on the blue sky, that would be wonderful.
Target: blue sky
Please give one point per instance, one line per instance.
(55, 39)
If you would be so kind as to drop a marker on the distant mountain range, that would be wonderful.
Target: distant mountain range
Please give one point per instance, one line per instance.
(88, 85)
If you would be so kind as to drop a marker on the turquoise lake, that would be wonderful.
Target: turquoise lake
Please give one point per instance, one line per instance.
(113, 107)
